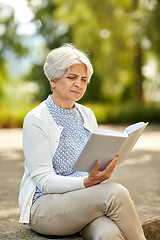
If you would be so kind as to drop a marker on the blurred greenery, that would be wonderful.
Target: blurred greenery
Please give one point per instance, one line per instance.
(105, 113)
(125, 113)
(121, 38)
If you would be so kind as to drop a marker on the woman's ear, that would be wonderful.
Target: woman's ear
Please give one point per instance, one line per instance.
(52, 83)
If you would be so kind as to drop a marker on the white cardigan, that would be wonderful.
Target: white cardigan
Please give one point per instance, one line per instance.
(41, 137)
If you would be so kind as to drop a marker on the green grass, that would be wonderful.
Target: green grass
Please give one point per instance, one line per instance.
(11, 117)
(126, 113)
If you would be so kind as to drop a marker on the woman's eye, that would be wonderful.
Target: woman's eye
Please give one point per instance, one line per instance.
(72, 78)
(84, 79)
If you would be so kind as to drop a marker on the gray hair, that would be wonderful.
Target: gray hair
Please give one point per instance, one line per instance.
(60, 59)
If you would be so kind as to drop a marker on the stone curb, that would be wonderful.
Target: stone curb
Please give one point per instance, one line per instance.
(20, 232)
(152, 229)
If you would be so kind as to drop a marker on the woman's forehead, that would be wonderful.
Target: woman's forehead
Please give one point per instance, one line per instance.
(78, 68)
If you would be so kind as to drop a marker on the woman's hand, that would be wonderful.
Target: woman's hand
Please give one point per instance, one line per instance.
(96, 176)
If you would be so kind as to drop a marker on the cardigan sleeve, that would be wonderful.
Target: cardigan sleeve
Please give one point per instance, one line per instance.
(38, 159)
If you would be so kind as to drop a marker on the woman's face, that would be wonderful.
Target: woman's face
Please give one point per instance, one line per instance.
(70, 88)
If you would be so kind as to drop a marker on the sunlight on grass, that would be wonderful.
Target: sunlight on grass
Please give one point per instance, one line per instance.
(12, 117)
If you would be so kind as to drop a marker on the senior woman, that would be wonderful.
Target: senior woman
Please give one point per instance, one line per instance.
(53, 199)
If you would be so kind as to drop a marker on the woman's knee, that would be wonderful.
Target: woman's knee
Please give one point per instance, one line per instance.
(120, 192)
(123, 190)
(118, 200)
(109, 233)
(102, 228)
(112, 232)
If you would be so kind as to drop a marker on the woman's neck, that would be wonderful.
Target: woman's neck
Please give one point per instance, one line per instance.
(62, 104)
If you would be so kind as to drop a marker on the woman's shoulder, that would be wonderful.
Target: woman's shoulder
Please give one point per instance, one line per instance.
(39, 118)
(38, 113)
(38, 110)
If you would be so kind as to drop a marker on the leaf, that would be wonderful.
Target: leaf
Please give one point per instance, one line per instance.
(24, 236)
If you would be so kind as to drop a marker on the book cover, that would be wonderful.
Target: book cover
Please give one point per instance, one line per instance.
(104, 145)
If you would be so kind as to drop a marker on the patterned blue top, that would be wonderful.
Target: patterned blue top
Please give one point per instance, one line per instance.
(72, 140)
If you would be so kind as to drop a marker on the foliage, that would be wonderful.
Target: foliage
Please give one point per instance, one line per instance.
(120, 37)
(126, 113)
(13, 117)
(105, 113)
(10, 43)
(153, 29)
(9, 40)
(54, 34)
(113, 33)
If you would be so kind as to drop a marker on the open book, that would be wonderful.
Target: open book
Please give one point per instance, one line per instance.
(104, 145)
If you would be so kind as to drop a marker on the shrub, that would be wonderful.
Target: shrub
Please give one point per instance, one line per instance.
(11, 117)
(125, 113)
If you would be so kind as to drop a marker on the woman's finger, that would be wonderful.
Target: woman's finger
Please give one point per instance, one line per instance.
(112, 165)
(96, 166)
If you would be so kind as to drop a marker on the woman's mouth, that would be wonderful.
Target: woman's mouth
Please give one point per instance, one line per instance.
(75, 92)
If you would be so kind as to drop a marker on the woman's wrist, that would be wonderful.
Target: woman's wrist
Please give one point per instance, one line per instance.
(85, 182)
(88, 182)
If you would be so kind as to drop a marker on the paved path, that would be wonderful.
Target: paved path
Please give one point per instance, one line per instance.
(140, 174)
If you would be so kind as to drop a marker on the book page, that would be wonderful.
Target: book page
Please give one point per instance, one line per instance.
(130, 142)
(134, 127)
(110, 133)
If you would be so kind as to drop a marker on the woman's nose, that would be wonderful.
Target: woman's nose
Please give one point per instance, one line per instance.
(77, 82)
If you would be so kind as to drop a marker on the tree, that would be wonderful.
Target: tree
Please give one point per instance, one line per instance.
(53, 33)
(101, 27)
(111, 32)
(10, 43)
(114, 32)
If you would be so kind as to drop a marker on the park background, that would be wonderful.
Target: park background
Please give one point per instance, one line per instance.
(121, 38)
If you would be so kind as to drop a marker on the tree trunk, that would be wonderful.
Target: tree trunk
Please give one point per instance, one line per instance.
(138, 70)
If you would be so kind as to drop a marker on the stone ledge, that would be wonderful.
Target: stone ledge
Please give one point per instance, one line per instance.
(20, 232)
(152, 229)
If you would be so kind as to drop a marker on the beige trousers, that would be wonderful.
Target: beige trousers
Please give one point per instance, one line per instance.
(102, 212)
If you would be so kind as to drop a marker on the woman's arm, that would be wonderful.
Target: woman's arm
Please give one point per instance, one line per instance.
(38, 156)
